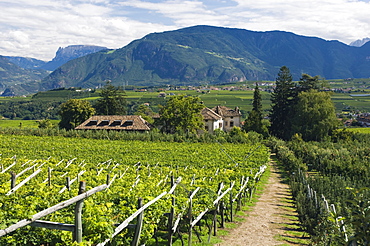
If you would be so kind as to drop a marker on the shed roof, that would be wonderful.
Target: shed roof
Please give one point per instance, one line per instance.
(115, 122)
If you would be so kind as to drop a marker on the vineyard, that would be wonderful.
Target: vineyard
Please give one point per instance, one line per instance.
(330, 182)
(186, 189)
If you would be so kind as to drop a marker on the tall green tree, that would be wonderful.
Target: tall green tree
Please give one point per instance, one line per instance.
(112, 101)
(181, 114)
(254, 120)
(307, 82)
(282, 100)
(74, 112)
(315, 115)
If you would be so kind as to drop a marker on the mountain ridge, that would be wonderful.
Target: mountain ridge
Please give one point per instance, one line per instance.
(11, 74)
(70, 52)
(359, 42)
(212, 55)
(22, 75)
(215, 55)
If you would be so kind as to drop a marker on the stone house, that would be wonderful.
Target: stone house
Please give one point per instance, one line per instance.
(221, 117)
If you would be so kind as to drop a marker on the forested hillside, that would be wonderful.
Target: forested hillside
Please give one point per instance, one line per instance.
(205, 54)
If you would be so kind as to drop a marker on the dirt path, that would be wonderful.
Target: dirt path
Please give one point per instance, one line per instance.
(266, 222)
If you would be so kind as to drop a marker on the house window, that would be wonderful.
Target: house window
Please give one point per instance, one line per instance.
(231, 117)
(206, 120)
(207, 128)
(225, 123)
(231, 123)
(220, 125)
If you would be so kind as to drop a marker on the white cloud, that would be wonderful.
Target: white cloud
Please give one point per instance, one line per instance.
(344, 20)
(182, 13)
(37, 28)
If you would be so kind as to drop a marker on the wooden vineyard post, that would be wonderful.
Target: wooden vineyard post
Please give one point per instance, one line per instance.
(239, 205)
(214, 221)
(108, 179)
(78, 214)
(251, 194)
(139, 224)
(49, 176)
(245, 192)
(190, 214)
(231, 205)
(222, 212)
(68, 180)
(13, 180)
(171, 215)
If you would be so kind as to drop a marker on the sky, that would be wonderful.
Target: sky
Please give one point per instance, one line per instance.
(38, 28)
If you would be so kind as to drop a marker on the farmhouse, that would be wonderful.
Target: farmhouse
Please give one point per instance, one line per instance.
(212, 120)
(221, 117)
(116, 123)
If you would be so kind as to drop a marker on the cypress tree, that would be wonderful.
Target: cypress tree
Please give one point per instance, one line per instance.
(282, 108)
(254, 120)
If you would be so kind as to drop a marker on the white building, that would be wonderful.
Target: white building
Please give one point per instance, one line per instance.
(221, 117)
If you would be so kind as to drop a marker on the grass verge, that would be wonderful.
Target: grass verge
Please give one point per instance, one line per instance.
(293, 233)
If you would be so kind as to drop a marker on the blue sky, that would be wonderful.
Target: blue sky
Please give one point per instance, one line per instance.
(37, 28)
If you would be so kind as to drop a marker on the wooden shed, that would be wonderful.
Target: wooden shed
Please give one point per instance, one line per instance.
(116, 123)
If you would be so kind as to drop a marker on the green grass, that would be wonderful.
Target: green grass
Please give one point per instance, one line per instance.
(293, 231)
(23, 123)
(359, 129)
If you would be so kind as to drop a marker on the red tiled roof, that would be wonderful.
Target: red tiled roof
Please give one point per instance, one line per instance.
(209, 114)
(227, 112)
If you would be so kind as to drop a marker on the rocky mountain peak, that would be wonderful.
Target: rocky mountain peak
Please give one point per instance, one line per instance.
(71, 52)
(360, 42)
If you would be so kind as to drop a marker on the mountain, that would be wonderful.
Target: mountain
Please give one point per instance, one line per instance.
(26, 62)
(71, 52)
(62, 56)
(22, 75)
(360, 42)
(13, 75)
(214, 55)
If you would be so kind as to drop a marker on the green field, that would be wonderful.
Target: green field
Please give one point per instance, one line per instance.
(23, 123)
(360, 129)
(231, 99)
(241, 97)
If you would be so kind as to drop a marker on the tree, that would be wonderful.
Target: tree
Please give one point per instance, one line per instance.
(315, 115)
(112, 101)
(254, 120)
(181, 114)
(74, 112)
(308, 82)
(46, 123)
(282, 100)
(145, 112)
